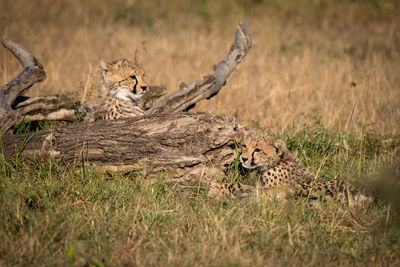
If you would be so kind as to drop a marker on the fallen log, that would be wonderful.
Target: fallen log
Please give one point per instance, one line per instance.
(188, 146)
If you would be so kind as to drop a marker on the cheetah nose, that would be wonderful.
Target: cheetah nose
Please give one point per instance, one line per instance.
(143, 88)
(244, 159)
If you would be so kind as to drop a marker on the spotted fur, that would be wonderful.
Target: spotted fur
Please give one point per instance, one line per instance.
(222, 190)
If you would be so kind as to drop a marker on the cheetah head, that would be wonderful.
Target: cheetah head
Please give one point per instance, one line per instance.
(262, 152)
(123, 78)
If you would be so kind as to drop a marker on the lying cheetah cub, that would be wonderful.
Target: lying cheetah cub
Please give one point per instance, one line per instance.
(281, 173)
(123, 84)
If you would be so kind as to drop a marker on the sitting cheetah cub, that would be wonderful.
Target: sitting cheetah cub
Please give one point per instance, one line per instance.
(281, 173)
(123, 82)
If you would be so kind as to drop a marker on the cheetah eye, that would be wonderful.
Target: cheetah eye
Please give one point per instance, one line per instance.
(243, 146)
(133, 77)
(257, 150)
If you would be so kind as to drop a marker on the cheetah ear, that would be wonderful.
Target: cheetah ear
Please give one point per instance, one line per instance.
(280, 147)
(103, 66)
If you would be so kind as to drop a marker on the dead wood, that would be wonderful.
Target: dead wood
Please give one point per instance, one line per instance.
(188, 95)
(14, 106)
(188, 146)
(32, 73)
(153, 93)
(48, 108)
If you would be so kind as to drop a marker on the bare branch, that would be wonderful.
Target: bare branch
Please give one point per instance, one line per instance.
(58, 115)
(51, 108)
(152, 94)
(32, 73)
(188, 95)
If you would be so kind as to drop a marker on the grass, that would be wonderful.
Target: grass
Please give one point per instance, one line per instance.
(53, 214)
(322, 75)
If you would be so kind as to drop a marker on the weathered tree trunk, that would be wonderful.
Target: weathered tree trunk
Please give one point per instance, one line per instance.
(189, 146)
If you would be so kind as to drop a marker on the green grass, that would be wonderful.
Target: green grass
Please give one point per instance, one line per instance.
(53, 214)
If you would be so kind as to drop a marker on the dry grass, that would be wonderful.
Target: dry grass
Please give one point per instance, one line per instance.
(331, 64)
(306, 54)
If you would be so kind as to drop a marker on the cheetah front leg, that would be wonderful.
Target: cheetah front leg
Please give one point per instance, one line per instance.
(221, 190)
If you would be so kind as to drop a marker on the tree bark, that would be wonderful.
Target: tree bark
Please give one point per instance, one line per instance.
(188, 146)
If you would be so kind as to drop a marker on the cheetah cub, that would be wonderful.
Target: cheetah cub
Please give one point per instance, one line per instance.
(123, 84)
(281, 173)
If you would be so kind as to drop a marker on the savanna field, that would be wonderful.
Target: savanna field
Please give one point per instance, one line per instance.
(322, 75)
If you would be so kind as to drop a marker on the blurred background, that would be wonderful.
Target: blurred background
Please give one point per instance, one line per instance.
(332, 62)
